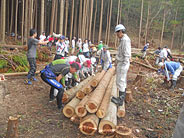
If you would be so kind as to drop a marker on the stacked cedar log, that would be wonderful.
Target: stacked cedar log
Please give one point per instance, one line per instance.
(89, 104)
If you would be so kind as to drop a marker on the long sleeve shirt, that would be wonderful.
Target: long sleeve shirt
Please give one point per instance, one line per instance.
(172, 66)
(106, 56)
(124, 50)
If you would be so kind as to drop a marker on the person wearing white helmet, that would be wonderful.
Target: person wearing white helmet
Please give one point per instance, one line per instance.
(123, 62)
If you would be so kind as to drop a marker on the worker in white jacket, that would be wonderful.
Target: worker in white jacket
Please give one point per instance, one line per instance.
(123, 62)
(105, 58)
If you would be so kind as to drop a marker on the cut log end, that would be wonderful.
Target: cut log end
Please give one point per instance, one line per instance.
(106, 127)
(87, 90)
(91, 107)
(80, 95)
(124, 131)
(81, 111)
(88, 128)
(75, 119)
(68, 111)
(100, 114)
(94, 83)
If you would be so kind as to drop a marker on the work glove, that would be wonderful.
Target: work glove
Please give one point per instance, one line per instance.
(110, 65)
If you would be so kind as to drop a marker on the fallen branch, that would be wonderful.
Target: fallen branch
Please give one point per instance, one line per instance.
(145, 65)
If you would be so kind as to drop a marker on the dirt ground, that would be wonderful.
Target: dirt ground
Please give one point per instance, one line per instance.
(152, 115)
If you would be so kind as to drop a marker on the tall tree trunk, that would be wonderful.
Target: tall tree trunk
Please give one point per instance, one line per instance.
(182, 35)
(52, 16)
(12, 11)
(84, 19)
(3, 19)
(147, 22)
(140, 28)
(55, 17)
(36, 15)
(107, 23)
(75, 21)
(91, 17)
(101, 17)
(173, 33)
(22, 26)
(80, 20)
(71, 26)
(16, 13)
(61, 16)
(163, 26)
(94, 24)
(31, 13)
(66, 16)
(26, 22)
(87, 20)
(117, 22)
(109, 29)
(8, 16)
(42, 16)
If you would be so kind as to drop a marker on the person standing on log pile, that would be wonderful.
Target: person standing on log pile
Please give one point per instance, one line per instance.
(123, 62)
(53, 73)
(31, 54)
(174, 68)
(105, 58)
(144, 50)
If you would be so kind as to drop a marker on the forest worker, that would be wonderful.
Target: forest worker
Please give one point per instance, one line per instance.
(53, 73)
(174, 68)
(100, 45)
(73, 45)
(144, 50)
(79, 46)
(31, 54)
(123, 62)
(60, 48)
(106, 58)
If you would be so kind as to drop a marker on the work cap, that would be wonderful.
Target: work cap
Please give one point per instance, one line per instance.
(160, 64)
(62, 37)
(119, 27)
(88, 63)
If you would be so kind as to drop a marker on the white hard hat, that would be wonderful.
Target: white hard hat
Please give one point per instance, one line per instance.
(160, 64)
(120, 27)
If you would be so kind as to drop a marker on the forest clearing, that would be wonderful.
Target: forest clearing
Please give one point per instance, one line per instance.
(95, 68)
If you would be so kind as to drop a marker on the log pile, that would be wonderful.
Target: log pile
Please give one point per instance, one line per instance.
(94, 112)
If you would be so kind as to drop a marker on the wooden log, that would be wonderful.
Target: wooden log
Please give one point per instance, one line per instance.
(80, 109)
(80, 94)
(69, 108)
(89, 124)
(109, 122)
(148, 62)
(106, 100)
(75, 119)
(145, 65)
(97, 79)
(129, 98)
(121, 111)
(124, 132)
(69, 94)
(12, 129)
(97, 95)
(18, 74)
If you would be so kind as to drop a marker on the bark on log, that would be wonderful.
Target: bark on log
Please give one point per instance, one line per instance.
(106, 100)
(97, 79)
(129, 98)
(109, 122)
(89, 124)
(69, 94)
(75, 119)
(124, 132)
(80, 109)
(12, 129)
(97, 96)
(121, 111)
(69, 109)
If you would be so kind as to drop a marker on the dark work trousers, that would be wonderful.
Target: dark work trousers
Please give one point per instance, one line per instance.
(32, 64)
(54, 85)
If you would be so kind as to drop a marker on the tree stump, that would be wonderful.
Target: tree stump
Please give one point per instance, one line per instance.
(139, 80)
(129, 98)
(12, 129)
(97, 79)
(69, 109)
(124, 132)
(88, 125)
(69, 94)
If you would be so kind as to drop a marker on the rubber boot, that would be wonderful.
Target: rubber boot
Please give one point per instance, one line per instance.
(119, 101)
(59, 98)
(51, 94)
(173, 85)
